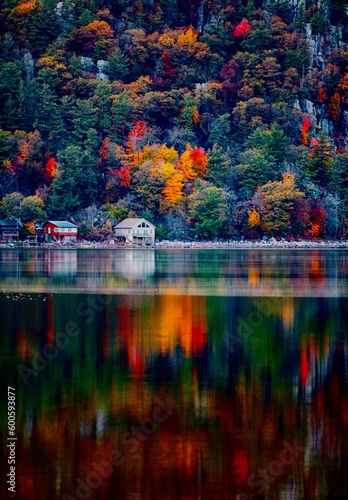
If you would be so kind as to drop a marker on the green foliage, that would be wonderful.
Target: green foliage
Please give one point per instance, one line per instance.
(118, 65)
(83, 119)
(272, 141)
(320, 160)
(44, 26)
(280, 8)
(28, 93)
(298, 59)
(122, 109)
(254, 169)
(75, 186)
(32, 208)
(6, 47)
(4, 147)
(208, 212)
(10, 205)
(189, 113)
(11, 74)
(319, 23)
(114, 212)
(338, 175)
(217, 166)
(221, 131)
(257, 41)
(65, 200)
(300, 18)
(16, 206)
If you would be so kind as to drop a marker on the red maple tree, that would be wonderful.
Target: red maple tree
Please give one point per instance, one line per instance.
(306, 123)
(242, 28)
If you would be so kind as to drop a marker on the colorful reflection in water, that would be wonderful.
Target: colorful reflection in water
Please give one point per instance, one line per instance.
(191, 272)
(179, 396)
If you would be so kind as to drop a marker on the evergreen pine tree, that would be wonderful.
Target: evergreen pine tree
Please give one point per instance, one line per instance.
(221, 131)
(118, 65)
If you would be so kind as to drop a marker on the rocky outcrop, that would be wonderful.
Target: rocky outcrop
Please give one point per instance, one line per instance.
(29, 64)
(322, 46)
(317, 114)
(101, 75)
(98, 69)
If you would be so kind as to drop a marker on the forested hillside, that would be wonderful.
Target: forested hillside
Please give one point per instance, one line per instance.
(212, 119)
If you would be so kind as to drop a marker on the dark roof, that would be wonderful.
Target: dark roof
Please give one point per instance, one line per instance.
(9, 223)
(130, 223)
(62, 223)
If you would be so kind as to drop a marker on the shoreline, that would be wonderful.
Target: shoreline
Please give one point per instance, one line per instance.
(195, 245)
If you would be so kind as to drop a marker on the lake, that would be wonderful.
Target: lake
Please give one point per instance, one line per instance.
(175, 374)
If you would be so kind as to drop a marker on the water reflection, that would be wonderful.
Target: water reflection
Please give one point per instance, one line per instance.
(134, 265)
(250, 378)
(206, 272)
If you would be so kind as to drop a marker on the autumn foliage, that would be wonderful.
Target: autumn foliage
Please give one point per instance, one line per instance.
(335, 106)
(193, 162)
(306, 123)
(173, 190)
(24, 8)
(316, 222)
(343, 88)
(124, 173)
(134, 138)
(321, 95)
(93, 31)
(254, 218)
(188, 38)
(103, 151)
(51, 167)
(199, 160)
(242, 28)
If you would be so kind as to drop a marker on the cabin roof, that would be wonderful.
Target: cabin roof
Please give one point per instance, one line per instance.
(61, 223)
(9, 223)
(131, 222)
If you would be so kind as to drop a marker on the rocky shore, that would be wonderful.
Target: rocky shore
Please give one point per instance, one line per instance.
(305, 244)
(242, 244)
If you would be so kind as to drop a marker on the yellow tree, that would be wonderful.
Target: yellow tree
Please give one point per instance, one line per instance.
(254, 218)
(188, 38)
(276, 206)
(173, 190)
(186, 164)
(165, 161)
(160, 163)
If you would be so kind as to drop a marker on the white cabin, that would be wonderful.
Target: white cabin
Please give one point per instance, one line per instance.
(138, 231)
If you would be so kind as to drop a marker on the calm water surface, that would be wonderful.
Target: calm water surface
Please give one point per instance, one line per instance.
(153, 374)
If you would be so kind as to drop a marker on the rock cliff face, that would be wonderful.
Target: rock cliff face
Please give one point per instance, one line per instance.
(294, 4)
(321, 47)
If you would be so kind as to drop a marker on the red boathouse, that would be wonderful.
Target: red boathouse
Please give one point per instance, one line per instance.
(59, 230)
